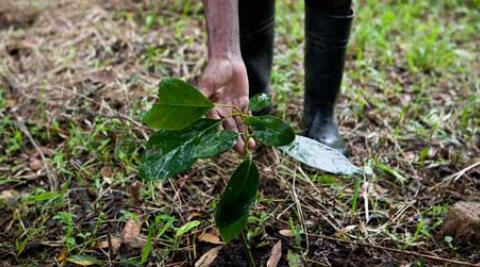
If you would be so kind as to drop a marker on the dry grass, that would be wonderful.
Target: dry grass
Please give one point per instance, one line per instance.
(76, 76)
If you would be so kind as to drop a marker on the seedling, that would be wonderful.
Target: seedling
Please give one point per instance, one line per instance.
(183, 136)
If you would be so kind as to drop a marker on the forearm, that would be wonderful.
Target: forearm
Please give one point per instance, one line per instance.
(222, 28)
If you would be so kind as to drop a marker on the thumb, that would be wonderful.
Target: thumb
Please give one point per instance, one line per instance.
(206, 85)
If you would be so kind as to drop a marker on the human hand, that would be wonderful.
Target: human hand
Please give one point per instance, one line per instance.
(225, 82)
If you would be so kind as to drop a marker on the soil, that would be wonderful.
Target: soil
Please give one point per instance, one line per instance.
(79, 74)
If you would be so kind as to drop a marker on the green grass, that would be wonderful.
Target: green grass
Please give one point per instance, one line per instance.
(410, 111)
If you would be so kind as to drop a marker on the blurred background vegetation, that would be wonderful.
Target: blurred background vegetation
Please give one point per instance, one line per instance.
(76, 76)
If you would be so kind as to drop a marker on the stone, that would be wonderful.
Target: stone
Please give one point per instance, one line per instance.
(18, 13)
(463, 222)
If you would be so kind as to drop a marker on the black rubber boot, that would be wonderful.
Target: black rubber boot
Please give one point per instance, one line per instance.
(257, 23)
(327, 35)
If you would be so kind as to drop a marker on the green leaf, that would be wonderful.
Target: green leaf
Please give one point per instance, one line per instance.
(211, 145)
(83, 260)
(271, 130)
(179, 105)
(320, 156)
(171, 152)
(232, 210)
(186, 228)
(260, 101)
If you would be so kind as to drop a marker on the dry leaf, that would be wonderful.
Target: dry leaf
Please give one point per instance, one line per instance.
(345, 230)
(83, 260)
(8, 194)
(286, 232)
(208, 258)
(131, 234)
(62, 255)
(116, 243)
(10, 103)
(194, 215)
(47, 151)
(106, 173)
(210, 238)
(105, 76)
(35, 164)
(276, 254)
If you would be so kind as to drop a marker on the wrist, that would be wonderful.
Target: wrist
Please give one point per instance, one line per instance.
(224, 56)
(222, 29)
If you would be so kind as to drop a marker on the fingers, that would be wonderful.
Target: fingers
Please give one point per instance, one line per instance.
(239, 124)
(241, 129)
(251, 143)
(214, 114)
(230, 125)
(240, 146)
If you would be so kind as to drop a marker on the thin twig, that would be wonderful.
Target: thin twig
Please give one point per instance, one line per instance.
(251, 260)
(116, 115)
(52, 180)
(455, 176)
(406, 252)
(465, 170)
(300, 211)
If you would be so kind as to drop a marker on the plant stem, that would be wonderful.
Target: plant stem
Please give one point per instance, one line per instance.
(246, 136)
(251, 260)
(236, 108)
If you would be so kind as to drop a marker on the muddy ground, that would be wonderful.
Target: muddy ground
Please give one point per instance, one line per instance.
(76, 76)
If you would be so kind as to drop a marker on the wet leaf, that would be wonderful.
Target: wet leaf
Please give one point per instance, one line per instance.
(275, 255)
(83, 260)
(179, 105)
(271, 130)
(186, 228)
(260, 101)
(171, 152)
(211, 145)
(210, 238)
(320, 156)
(232, 210)
(208, 258)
